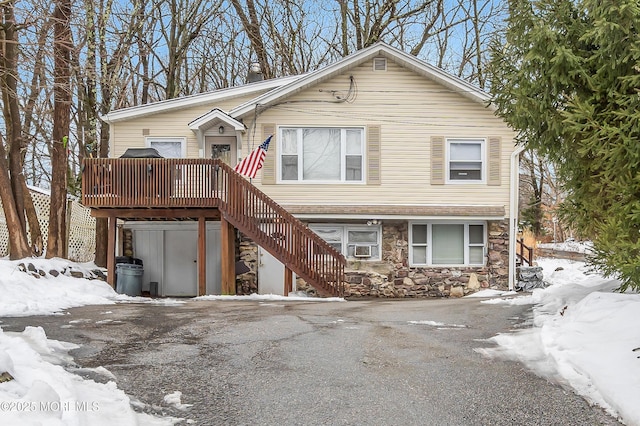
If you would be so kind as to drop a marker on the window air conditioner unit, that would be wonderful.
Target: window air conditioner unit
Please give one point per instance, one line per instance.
(362, 251)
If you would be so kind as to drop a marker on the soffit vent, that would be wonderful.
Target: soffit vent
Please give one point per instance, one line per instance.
(379, 64)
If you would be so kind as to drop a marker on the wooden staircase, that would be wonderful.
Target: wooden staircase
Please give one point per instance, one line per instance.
(169, 184)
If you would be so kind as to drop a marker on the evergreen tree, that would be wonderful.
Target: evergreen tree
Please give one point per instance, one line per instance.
(567, 81)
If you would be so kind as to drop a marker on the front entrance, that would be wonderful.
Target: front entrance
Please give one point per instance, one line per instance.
(222, 147)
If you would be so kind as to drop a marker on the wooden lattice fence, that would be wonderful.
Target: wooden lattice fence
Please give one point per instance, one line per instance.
(81, 227)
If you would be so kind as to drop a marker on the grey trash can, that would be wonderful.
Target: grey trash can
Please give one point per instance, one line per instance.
(129, 280)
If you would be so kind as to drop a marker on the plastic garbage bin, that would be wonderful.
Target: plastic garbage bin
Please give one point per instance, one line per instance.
(129, 280)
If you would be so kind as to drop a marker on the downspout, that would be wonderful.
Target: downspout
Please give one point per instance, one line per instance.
(513, 212)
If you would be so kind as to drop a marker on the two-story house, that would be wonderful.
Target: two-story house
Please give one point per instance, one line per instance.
(402, 168)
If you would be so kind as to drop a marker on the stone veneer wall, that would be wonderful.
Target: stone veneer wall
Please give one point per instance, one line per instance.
(247, 252)
(392, 276)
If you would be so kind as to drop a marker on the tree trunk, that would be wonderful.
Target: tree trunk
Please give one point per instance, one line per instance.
(102, 224)
(35, 233)
(251, 25)
(56, 242)
(18, 245)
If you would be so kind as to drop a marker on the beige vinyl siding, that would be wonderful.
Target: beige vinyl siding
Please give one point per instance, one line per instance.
(130, 133)
(269, 171)
(410, 110)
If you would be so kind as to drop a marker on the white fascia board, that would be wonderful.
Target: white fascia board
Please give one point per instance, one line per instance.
(194, 100)
(379, 49)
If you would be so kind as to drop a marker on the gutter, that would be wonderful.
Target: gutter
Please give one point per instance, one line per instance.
(513, 212)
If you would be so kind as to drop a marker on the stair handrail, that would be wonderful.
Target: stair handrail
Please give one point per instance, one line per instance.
(524, 252)
(279, 232)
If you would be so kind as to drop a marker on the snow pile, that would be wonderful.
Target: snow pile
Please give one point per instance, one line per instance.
(569, 245)
(175, 400)
(584, 335)
(23, 294)
(40, 391)
(490, 293)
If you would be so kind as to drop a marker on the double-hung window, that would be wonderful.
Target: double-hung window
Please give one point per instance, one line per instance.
(353, 241)
(447, 243)
(466, 160)
(321, 154)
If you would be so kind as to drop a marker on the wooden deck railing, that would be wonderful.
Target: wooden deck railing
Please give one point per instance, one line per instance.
(203, 183)
(524, 252)
(149, 182)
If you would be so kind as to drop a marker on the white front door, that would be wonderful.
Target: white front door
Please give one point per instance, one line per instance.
(180, 263)
(270, 274)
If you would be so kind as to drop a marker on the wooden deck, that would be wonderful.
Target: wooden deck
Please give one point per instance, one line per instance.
(202, 189)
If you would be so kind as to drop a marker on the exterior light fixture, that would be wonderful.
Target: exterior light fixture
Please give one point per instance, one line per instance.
(221, 129)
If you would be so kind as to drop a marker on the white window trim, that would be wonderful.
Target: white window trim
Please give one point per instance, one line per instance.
(343, 156)
(345, 228)
(182, 140)
(483, 159)
(466, 243)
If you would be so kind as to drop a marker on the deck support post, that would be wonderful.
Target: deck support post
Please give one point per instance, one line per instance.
(111, 252)
(228, 255)
(202, 256)
(288, 280)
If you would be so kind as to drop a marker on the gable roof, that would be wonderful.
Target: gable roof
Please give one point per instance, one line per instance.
(195, 100)
(216, 115)
(280, 88)
(379, 49)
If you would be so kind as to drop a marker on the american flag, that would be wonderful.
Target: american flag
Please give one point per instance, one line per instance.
(251, 164)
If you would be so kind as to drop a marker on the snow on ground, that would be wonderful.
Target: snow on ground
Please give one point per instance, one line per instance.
(569, 245)
(584, 336)
(44, 392)
(25, 295)
(296, 296)
(490, 293)
(175, 399)
(43, 388)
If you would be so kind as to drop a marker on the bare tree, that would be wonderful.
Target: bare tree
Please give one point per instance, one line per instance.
(132, 53)
(108, 78)
(11, 186)
(180, 24)
(252, 26)
(56, 241)
(541, 193)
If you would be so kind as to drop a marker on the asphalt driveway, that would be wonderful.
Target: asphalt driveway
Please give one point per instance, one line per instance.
(363, 362)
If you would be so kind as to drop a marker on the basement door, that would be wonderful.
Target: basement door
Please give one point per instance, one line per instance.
(270, 274)
(180, 263)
